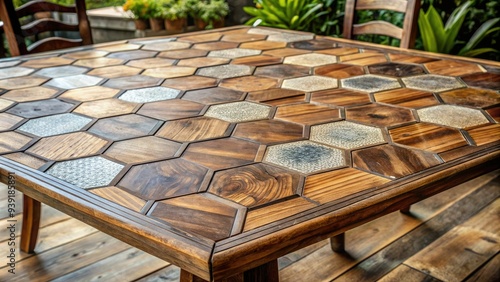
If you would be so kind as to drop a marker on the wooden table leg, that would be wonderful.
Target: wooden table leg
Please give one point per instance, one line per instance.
(31, 223)
(267, 272)
(337, 243)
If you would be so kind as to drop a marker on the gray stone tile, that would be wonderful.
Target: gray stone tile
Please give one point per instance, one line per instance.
(151, 94)
(54, 125)
(61, 71)
(233, 53)
(310, 83)
(347, 135)
(370, 83)
(432, 82)
(454, 116)
(14, 72)
(289, 37)
(310, 60)
(238, 111)
(74, 81)
(226, 71)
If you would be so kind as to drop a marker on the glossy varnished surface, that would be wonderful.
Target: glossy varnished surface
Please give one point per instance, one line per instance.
(233, 139)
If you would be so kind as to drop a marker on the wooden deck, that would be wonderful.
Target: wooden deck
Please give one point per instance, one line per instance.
(453, 236)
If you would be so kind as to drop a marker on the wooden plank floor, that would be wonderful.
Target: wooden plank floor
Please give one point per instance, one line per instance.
(453, 236)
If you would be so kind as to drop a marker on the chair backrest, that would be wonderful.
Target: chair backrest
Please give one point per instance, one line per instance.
(407, 34)
(16, 33)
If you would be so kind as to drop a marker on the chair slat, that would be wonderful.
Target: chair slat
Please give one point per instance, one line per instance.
(44, 25)
(48, 44)
(33, 7)
(393, 5)
(378, 27)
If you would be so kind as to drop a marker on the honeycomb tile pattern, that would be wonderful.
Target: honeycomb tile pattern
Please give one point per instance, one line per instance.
(244, 129)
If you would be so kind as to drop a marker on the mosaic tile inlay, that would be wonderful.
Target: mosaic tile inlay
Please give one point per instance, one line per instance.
(74, 81)
(310, 60)
(431, 82)
(347, 135)
(151, 94)
(310, 83)
(370, 83)
(238, 111)
(233, 53)
(61, 71)
(52, 125)
(305, 156)
(226, 71)
(86, 173)
(453, 116)
(14, 72)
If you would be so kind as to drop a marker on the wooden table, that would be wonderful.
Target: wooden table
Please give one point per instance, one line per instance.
(221, 151)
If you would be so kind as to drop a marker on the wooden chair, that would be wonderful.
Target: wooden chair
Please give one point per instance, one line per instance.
(407, 34)
(16, 33)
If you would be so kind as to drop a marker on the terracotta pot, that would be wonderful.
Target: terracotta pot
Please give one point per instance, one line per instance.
(141, 24)
(218, 23)
(177, 25)
(156, 24)
(200, 24)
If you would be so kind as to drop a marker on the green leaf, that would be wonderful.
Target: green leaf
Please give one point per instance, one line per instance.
(477, 52)
(436, 24)
(251, 11)
(453, 26)
(427, 33)
(480, 33)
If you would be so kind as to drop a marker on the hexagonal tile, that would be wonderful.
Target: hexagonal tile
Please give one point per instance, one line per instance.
(339, 70)
(254, 185)
(30, 94)
(370, 83)
(431, 82)
(89, 93)
(115, 46)
(206, 37)
(404, 58)
(74, 81)
(129, 82)
(55, 72)
(124, 127)
(277, 96)
(87, 172)
(348, 181)
(305, 156)
(485, 134)
(40, 108)
(428, 137)
(379, 115)
(310, 60)
(52, 125)
(339, 51)
(269, 131)
(213, 95)
(346, 135)
(313, 44)
(285, 52)
(98, 62)
(234, 53)
(242, 37)
(165, 179)
(454, 116)
(105, 108)
(25, 159)
(154, 40)
(222, 153)
(14, 72)
(166, 46)
(406, 97)
(187, 130)
(225, 71)
(393, 161)
(494, 113)
(310, 83)
(46, 62)
(483, 80)
(142, 150)
(452, 68)
(132, 55)
(394, 69)
(68, 146)
(189, 213)
(177, 109)
(183, 54)
(307, 113)
(12, 141)
(249, 83)
(238, 111)
(471, 97)
(169, 72)
(86, 54)
(21, 82)
(205, 62)
(151, 63)
(340, 97)
(114, 71)
(9, 63)
(289, 37)
(7, 121)
(117, 195)
(190, 82)
(150, 94)
(262, 45)
(364, 59)
(213, 46)
(259, 60)
(4, 104)
(282, 71)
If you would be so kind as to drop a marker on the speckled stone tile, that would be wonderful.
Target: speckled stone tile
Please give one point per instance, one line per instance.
(310, 60)
(370, 83)
(234, 53)
(74, 81)
(310, 83)
(86, 173)
(151, 94)
(454, 116)
(132, 55)
(262, 31)
(169, 72)
(347, 135)
(305, 156)
(61, 71)
(14, 72)
(225, 71)
(52, 125)
(165, 46)
(289, 37)
(430, 82)
(40, 108)
(238, 111)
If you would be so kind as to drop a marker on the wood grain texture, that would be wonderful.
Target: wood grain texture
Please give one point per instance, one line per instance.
(406, 98)
(31, 224)
(269, 131)
(143, 149)
(307, 113)
(485, 134)
(30, 94)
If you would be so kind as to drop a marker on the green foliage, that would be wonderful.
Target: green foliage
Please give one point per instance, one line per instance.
(208, 10)
(442, 38)
(143, 9)
(331, 18)
(288, 14)
(173, 10)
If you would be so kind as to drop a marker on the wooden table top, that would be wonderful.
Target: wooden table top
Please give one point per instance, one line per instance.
(219, 151)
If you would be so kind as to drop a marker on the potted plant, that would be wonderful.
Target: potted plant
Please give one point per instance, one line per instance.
(140, 12)
(175, 15)
(155, 15)
(209, 13)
